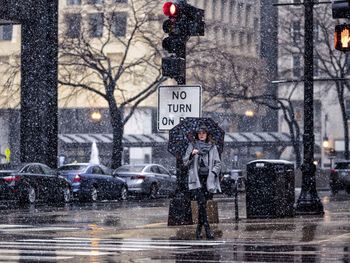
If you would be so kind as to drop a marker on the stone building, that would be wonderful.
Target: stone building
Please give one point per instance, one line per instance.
(231, 24)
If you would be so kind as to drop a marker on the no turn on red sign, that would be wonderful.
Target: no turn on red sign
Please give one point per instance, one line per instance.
(176, 103)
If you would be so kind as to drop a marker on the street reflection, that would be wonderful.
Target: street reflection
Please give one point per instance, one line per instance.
(199, 254)
(265, 253)
(137, 231)
(308, 232)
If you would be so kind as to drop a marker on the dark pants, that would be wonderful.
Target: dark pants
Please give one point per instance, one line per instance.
(201, 195)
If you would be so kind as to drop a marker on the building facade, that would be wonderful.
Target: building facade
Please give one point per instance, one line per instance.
(106, 26)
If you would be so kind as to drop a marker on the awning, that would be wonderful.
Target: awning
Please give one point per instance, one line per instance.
(236, 139)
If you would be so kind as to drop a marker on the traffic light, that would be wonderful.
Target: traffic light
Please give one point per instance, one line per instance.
(341, 8)
(342, 37)
(184, 19)
(183, 22)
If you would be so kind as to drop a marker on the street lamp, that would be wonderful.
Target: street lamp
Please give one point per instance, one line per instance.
(96, 116)
(249, 113)
(325, 142)
(308, 202)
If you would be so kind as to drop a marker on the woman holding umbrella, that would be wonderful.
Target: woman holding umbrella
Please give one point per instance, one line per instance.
(204, 165)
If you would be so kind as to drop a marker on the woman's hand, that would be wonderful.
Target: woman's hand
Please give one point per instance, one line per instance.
(195, 151)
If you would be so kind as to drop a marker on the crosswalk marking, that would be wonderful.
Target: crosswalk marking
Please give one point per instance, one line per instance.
(3, 226)
(72, 247)
(31, 228)
(32, 258)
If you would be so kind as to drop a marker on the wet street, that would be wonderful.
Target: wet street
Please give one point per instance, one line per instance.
(137, 231)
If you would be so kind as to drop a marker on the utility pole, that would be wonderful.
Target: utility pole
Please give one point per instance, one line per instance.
(39, 52)
(308, 201)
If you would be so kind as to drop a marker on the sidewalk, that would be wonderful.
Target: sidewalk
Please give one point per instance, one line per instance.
(322, 238)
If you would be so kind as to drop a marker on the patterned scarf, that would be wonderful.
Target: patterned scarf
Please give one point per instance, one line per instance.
(202, 147)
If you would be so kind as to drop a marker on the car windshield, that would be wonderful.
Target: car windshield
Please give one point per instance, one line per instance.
(77, 167)
(130, 169)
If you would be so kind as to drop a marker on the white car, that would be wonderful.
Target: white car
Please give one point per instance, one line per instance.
(147, 179)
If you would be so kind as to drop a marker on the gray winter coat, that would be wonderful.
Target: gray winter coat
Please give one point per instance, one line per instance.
(213, 182)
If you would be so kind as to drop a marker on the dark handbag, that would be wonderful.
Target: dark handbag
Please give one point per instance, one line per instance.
(203, 170)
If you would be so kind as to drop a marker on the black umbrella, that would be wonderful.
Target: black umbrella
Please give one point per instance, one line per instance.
(184, 133)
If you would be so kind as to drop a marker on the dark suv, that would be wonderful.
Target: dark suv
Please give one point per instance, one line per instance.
(340, 177)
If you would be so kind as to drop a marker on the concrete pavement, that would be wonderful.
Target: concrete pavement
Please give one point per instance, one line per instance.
(137, 231)
(298, 239)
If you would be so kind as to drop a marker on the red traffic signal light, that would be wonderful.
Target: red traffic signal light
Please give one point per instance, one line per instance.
(342, 37)
(170, 9)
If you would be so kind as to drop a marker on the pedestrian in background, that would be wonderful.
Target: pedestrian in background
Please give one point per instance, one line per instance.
(204, 166)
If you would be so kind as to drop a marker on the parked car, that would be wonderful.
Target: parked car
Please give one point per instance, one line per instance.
(29, 183)
(232, 181)
(339, 178)
(92, 182)
(148, 179)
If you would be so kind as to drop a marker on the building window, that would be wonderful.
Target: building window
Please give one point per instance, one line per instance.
(231, 11)
(248, 15)
(316, 31)
(73, 2)
(214, 8)
(239, 14)
(119, 24)
(347, 64)
(95, 2)
(296, 32)
(347, 108)
(73, 23)
(95, 24)
(233, 37)
(296, 66)
(222, 9)
(6, 32)
(316, 67)
(224, 34)
(249, 41)
(241, 39)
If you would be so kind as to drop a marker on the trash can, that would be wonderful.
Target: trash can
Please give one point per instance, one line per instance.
(270, 189)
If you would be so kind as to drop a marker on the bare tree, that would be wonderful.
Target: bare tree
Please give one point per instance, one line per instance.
(233, 80)
(328, 63)
(10, 87)
(85, 62)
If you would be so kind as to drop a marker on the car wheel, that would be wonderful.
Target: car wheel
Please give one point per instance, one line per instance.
(94, 194)
(31, 195)
(66, 195)
(334, 188)
(153, 191)
(124, 193)
(28, 196)
(347, 189)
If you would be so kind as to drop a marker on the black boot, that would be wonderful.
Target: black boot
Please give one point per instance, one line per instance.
(208, 232)
(199, 232)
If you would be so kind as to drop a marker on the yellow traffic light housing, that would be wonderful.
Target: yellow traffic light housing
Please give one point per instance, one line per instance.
(342, 37)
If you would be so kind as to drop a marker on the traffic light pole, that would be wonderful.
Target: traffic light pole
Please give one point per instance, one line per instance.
(308, 201)
(184, 21)
(181, 78)
(180, 205)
